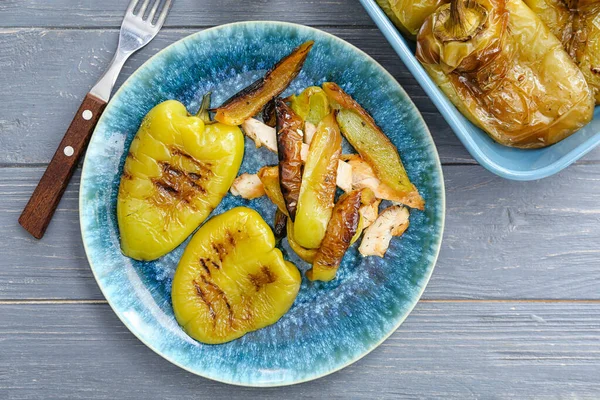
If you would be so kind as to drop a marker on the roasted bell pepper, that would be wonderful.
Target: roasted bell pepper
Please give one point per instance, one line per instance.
(289, 150)
(341, 229)
(360, 129)
(177, 171)
(311, 105)
(577, 24)
(268, 114)
(408, 15)
(317, 191)
(269, 176)
(280, 225)
(231, 279)
(504, 70)
(248, 102)
(307, 255)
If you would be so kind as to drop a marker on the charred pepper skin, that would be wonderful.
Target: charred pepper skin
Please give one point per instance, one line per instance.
(289, 150)
(317, 192)
(575, 24)
(505, 71)
(231, 279)
(248, 102)
(177, 171)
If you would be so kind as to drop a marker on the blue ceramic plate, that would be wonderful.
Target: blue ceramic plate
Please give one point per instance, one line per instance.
(507, 162)
(331, 324)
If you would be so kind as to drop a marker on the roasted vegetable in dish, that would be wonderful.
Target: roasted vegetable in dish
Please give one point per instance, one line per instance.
(359, 128)
(504, 70)
(341, 229)
(409, 15)
(253, 98)
(317, 191)
(289, 151)
(231, 279)
(311, 105)
(577, 24)
(176, 172)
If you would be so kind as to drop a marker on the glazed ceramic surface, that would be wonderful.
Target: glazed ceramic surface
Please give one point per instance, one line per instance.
(330, 324)
(507, 162)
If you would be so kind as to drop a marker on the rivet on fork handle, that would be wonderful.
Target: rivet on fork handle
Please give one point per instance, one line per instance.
(41, 206)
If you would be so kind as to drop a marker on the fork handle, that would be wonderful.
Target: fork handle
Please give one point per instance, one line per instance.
(43, 202)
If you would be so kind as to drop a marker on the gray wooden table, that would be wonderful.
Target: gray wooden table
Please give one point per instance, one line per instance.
(512, 310)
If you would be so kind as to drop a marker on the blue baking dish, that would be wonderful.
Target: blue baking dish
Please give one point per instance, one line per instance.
(507, 162)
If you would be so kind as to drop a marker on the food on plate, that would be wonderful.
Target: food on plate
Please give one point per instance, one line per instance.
(248, 186)
(577, 24)
(280, 225)
(504, 70)
(340, 230)
(269, 176)
(393, 221)
(344, 175)
(409, 15)
(261, 133)
(289, 151)
(359, 128)
(307, 255)
(312, 105)
(369, 212)
(231, 279)
(268, 114)
(177, 171)
(317, 192)
(248, 102)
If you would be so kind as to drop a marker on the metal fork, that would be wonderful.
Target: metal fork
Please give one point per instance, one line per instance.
(137, 30)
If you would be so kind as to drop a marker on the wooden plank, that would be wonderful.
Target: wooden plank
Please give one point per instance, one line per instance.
(46, 73)
(443, 350)
(184, 13)
(503, 239)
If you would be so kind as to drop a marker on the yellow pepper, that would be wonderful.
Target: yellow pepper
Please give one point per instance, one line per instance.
(408, 15)
(312, 104)
(504, 70)
(177, 171)
(231, 279)
(317, 191)
(576, 24)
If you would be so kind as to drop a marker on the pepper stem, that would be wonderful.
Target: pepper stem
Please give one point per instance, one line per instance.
(204, 107)
(462, 22)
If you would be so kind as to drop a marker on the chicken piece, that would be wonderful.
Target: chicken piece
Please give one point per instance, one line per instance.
(304, 152)
(363, 176)
(261, 133)
(344, 176)
(369, 213)
(393, 221)
(248, 186)
(309, 131)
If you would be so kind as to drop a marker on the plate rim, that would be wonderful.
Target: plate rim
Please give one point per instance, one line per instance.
(442, 207)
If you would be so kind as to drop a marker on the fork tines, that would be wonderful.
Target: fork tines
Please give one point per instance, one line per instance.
(150, 16)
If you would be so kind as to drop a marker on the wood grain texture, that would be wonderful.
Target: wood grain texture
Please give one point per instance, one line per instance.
(503, 239)
(46, 73)
(443, 350)
(45, 198)
(188, 13)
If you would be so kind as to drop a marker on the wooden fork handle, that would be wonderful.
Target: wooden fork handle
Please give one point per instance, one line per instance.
(43, 202)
